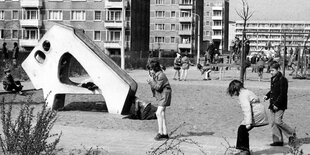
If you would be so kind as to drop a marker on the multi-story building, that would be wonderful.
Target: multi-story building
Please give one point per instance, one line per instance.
(26, 21)
(174, 25)
(266, 33)
(216, 24)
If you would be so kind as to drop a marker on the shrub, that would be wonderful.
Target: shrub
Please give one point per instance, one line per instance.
(23, 137)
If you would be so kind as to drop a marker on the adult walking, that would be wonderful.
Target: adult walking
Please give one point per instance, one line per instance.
(211, 52)
(5, 52)
(15, 53)
(278, 104)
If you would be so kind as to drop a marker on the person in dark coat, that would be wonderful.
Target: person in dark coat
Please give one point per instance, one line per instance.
(15, 53)
(211, 51)
(5, 52)
(9, 84)
(278, 104)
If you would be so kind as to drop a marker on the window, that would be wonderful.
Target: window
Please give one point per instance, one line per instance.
(31, 14)
(1, 15)
(15, 14)
(159, 39)
(160, 14)
(208, 3)
(159, 2)
(159, 26)
(173, 27)
(186, 2)
(30, 34)
(77, 0)
(97, 15)
(208, 14)
(55, 15)
(185, 14)
(97, 35)
(14, 34)
(207, 33)
(114, 36)
(208, 23)
(172, 39)
(186, 27)
(114, 15)
(173, 14)
(78, 15)
(173, 1)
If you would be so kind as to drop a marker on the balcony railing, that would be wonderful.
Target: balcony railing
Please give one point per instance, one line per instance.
(184, 45)
(185, 32)
(112, 44)
(31, 3)
(28, 42)
(113, 24)
(217, 17)
(185, 19)
(114, 4)
(31, 23)
(186, 6)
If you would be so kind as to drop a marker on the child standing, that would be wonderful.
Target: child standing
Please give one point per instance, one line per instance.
(177, 66)
(162, 92)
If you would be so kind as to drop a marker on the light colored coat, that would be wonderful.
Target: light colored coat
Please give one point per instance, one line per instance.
(245, 97)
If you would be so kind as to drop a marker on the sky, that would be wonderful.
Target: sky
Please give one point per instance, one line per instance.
(287, 10)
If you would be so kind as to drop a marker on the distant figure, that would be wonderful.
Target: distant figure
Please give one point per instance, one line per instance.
(9, 84)
(185, 66)
(206, 69)
(278, 104)
(236, 49)
(5, 52)
(15, 53)
(177, 63)
(211, 52)
(246, 46)
(162, 92)
(260, 65)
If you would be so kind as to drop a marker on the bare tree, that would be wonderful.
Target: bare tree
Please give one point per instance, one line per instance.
(245, 14)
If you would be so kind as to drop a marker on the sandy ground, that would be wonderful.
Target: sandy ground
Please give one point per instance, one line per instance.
(203, 105)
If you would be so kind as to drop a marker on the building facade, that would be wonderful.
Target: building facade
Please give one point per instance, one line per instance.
(173, 25)
(103, 21)
(271, 33)
(216, 24)
(178, 25)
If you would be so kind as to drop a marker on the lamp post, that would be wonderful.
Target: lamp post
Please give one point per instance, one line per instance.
(198, 44)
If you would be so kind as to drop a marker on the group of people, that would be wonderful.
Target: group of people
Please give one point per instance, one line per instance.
(181, 66)
(278, 104)
(5, 53)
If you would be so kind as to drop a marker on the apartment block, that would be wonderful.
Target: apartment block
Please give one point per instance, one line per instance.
(178, 25)
(173, 25)
(216, 24)
(274, 33)
(103, 21)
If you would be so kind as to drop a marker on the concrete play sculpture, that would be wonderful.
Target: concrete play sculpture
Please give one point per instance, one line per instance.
(48, 69)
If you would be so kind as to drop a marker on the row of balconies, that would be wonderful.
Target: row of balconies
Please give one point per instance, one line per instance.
(31, 3)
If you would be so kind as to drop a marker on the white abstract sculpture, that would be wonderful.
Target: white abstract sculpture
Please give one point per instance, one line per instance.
(48, 69)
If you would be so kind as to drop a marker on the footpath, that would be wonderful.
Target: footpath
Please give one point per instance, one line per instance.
(127, 142)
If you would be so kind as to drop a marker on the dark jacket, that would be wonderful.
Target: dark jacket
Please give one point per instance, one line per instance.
(278, 92)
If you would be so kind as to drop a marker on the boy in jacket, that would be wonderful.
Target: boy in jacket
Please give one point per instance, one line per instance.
(278, 104)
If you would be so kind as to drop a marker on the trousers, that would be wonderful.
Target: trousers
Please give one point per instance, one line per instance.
(279, 127)
(243, 138)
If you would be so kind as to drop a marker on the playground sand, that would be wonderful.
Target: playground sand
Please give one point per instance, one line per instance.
(204, 106)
